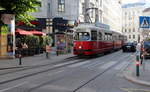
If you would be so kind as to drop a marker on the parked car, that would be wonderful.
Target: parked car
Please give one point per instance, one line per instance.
(129, 47)
(145, 49)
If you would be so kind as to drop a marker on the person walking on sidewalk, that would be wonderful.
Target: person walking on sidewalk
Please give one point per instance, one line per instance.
(48, 49)
(48, 46)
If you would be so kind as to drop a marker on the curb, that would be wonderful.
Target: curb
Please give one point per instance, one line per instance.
(38, 64)
(15, 67)
(129, 76)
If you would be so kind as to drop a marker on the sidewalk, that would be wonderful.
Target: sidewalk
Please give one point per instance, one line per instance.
(144, 78)
(33, 60)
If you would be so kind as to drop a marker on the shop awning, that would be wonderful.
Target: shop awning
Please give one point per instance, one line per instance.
(34, 32)
(22, 32)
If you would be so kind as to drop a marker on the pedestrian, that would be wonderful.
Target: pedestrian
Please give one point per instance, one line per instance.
(48, 49)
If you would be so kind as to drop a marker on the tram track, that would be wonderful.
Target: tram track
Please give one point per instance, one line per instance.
(100, 74)
(53, 68)
(46, 70)
(101, 64)
(42, 71)
(22, 68)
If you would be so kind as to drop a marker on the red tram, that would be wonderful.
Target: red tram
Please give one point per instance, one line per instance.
(91, 40)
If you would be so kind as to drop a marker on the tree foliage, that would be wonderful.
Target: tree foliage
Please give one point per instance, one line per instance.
(20, 8)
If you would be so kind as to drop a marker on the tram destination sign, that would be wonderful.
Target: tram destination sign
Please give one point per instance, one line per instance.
(144, 22)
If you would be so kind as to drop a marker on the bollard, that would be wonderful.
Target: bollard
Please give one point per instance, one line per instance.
(20, 59)
(57, 52)
(47, 55)
(137, 65)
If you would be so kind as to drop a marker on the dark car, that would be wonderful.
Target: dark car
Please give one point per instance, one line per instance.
(129, 47)
(145, 49)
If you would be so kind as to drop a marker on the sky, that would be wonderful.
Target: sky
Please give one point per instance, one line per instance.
(134, 1)
(130, 1)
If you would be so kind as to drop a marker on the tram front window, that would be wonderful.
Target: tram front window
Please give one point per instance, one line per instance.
(82, 36)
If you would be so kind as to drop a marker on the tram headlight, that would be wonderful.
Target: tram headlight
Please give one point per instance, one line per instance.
(80, 47)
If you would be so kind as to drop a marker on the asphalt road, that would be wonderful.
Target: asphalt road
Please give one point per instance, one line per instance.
(100, 74)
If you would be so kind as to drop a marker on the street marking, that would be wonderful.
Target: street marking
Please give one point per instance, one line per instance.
(92, 64)
(134, 89)
(56, 72)
(79, 64)
(120, 66)
(107, 65)
(62, 64)
(3, 90)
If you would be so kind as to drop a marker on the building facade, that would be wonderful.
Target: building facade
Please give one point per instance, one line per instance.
(75, 9)
(145, 32)
(104, 11)
(112, 13)
(130, 25)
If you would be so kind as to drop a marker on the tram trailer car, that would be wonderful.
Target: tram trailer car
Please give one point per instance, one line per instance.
(91, 40)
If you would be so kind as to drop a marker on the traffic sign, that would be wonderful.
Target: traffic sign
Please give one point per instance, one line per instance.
(144, 22)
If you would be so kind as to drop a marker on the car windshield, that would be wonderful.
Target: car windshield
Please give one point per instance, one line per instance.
(82, 36)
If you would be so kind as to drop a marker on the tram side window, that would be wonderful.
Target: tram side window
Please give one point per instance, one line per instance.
(110, 37)
(76, 37)
(93, 35)
(120, 37)
(114, 37)
(100, 36)
(106, 37)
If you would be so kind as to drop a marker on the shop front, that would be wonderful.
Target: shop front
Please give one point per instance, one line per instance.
(63, 35)
(7, 34)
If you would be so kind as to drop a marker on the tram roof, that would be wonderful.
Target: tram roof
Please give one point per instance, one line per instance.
(87, 26)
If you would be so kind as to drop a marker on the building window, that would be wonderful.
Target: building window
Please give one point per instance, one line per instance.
(133, 36)
(83, 8)
(49, 8)
(133, 29)
(61, 5)
(125, 30)
(129, 36)
(101, 3)
(129, 30)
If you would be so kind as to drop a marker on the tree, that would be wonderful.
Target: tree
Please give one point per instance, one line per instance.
(20, 8)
